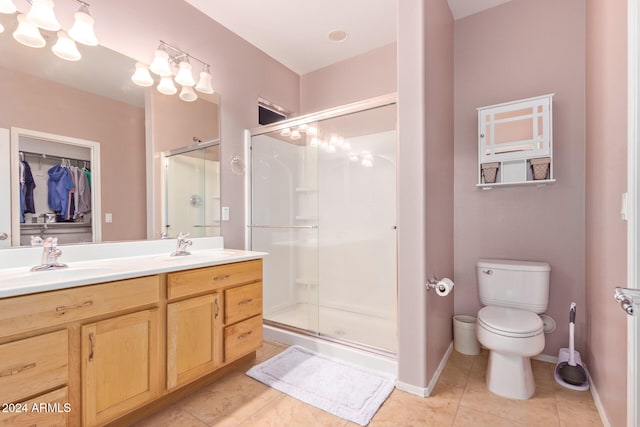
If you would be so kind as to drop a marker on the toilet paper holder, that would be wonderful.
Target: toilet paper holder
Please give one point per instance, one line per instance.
(439, 286)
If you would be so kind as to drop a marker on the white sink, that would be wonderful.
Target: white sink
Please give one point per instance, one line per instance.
(196, 256)
(49, 276)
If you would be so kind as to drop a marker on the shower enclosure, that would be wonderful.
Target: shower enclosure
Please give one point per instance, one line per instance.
(192, 190)
(323, 205)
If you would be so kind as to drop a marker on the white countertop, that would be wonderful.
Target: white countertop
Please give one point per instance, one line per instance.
(20, 280)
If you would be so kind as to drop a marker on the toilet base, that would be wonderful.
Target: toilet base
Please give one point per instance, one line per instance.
(510, 376)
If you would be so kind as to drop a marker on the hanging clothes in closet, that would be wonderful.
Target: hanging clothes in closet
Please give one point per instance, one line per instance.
(60, 186)
(27, 185)
(69, 192)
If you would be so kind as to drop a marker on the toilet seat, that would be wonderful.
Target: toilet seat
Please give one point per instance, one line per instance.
(510, 322)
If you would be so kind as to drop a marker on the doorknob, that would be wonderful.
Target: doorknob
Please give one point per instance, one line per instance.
(629, 299)
(4, 236)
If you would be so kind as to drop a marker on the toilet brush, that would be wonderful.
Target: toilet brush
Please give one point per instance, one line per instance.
(569, 371)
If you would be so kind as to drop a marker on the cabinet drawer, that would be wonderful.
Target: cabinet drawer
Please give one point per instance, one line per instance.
(48, 410)
(191, 282)
(31, 312)
(242, 302)
(33, 365)
(242, 338)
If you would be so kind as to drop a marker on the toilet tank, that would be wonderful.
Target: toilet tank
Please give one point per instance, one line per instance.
(517, 284)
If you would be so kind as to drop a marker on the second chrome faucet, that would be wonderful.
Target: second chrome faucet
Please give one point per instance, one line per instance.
(182, 244)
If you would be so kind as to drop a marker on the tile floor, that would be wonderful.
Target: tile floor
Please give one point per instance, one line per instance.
(459, 399)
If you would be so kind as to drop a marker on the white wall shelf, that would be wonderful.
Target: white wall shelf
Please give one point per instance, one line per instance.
(515, 143)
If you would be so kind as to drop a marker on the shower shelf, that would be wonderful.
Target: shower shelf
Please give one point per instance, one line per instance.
(305, 190)
(306, 281)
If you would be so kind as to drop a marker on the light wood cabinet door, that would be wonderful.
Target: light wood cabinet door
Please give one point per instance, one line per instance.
(119, 365)
(194, 338)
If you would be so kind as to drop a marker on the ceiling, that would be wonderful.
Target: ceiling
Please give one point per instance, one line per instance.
(288, 30)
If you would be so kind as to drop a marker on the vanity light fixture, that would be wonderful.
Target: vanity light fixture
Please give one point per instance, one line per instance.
(1, 29)
(7, 6)
(166, 86)
(42, 15)
(82, 29)
(204, 84)
(184, 76)
(28, 34)
(187, 94)
(66, 48)
(141, 76)
(160, 63)
(166, 58)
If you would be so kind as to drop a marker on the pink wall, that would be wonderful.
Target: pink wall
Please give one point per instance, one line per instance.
(606, 265)
(41, 105)
(518, 50)
(364, 76)
(439, 174)
(425, 176)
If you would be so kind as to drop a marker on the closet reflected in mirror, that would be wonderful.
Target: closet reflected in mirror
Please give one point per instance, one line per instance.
(192, 190)
(55, 188)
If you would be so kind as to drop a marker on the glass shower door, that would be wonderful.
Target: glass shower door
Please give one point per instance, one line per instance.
(357, 228)
(284, 217)
(192, 198)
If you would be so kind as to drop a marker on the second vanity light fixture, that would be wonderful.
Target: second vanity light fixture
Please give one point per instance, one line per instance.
(41, 16)
(164, 58)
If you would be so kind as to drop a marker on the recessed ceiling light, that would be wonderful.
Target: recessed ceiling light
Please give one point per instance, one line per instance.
(338, 35)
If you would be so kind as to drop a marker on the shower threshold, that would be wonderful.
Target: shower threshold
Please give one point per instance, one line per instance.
(359, 354)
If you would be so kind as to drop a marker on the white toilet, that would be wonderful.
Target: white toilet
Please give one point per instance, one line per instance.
(513, 293)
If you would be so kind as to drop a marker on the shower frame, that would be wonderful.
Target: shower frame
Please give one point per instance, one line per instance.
(359, 353)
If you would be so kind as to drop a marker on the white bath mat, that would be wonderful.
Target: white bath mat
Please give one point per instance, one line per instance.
(348, 391)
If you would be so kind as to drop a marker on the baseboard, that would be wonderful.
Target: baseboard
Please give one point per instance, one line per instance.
(426, 391)
(546, 358)
(597, 401)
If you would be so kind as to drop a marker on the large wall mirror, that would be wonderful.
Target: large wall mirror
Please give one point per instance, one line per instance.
(93, 99)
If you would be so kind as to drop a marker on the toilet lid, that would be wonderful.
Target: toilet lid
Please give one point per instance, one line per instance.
(510, 322)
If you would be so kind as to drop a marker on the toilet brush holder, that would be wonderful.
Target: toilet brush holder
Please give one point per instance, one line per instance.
(563, 359)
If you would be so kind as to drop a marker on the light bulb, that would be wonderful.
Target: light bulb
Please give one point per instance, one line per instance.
(82, 29)
(295, 134)
(66, 48)
(184, 76)
(42, 15)
(331, 148)
(166, 86)
(27, 33)
(7, 6)
(204, 84)
(346, 146)
(285, 132)
(314, 142)
(311, 130)
(160, 64)
(141, 76)
(187, 94)
(1, 29)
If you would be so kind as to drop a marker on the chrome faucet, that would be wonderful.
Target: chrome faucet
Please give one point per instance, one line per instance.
(182, 244)
(50, 255)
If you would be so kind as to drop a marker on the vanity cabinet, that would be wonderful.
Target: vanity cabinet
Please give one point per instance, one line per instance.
(194, 340)
(205, 330)
(515, 142)
(119, 365)
(100, 353)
